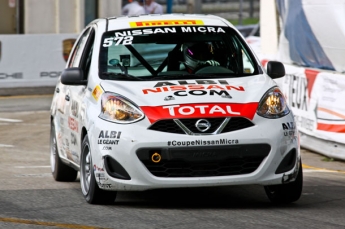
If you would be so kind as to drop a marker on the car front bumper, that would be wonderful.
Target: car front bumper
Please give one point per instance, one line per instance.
(147, 159)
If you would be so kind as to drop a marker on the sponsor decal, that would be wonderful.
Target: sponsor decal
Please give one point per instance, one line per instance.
(50, 74)
(75, 108)
(73, 124)
(297, 92)
(75, 156)
(200, 110)
(100, 176)
(73, 139)
(128, 34)
(303, 122)
(199, 85)
(67, 46)
(109, 138)
(126, 37)
(16, 75)
(222, 93)
(97, 92)
(104, 186)
(289, 128)
(204, 142)
(164, 23)
(101, 179)
(108, 142)
(96, 168)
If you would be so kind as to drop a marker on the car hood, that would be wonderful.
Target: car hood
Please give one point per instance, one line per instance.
(221, 97)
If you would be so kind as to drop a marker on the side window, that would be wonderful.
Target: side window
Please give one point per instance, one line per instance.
(78, 50)
(247, 63)
(87, 55)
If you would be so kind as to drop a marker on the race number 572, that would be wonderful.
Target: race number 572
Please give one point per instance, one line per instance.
(118, 40)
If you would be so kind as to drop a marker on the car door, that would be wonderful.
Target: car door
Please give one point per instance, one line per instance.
(68, 104)
(75, 98)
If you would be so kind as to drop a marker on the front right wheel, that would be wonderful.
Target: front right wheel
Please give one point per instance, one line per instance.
(286, 193)
(92, 193)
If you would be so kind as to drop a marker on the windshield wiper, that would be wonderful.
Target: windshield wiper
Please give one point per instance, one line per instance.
(113, 75)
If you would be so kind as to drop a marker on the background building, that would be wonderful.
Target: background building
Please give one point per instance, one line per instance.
(71, 16)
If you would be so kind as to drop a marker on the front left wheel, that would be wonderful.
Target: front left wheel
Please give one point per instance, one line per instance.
(60, 171)
(286, 193)
(92, 193)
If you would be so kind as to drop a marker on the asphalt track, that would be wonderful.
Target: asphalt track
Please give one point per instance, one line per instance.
(30, 198)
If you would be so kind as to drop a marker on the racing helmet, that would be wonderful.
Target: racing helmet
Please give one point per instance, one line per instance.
(196, 54)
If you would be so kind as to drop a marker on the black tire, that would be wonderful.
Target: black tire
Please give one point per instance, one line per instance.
(91, 192)
(60, 171)
(286, 193)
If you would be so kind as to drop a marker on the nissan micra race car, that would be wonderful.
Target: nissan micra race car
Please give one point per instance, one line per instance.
(171, 101)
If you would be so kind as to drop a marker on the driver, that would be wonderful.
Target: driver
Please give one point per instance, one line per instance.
(198, 55)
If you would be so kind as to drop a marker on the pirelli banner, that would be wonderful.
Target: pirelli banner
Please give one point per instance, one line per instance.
(33, 60)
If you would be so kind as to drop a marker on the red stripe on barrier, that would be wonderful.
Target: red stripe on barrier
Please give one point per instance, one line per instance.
(331, 112)
(331, 127)
(311, 77)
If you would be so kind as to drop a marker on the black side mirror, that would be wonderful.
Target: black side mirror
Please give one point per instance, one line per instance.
(275, 69)
(73, 76)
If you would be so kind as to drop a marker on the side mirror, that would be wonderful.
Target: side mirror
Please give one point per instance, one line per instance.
(275, 69)
(73, 76)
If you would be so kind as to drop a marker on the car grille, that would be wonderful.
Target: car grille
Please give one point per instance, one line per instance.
(204, 161)
(218, 125)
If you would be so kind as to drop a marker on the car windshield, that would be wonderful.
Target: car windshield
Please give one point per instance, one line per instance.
(175, 52)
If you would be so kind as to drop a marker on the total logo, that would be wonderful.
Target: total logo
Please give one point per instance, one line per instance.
(201, 109)
(155, 113)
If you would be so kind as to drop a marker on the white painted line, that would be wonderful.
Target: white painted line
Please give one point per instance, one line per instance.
(10, 120)
(35, 175)
(317, 171)
(33, 166)
(6, 146)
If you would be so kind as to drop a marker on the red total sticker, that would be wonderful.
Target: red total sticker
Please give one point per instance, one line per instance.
(200, 110)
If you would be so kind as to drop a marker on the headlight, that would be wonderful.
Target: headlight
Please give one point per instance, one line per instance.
(273, 104)
(118, 109)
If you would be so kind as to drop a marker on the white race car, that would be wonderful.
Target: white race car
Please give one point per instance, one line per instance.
(171, 101)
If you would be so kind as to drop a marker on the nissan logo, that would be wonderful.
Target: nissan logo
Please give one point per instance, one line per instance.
(203, 125)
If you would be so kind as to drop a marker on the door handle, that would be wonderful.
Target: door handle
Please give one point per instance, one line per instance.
(57, 90)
